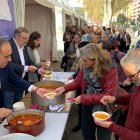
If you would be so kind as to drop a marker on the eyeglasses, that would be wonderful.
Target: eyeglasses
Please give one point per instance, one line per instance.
(24, 38)
(131, 76)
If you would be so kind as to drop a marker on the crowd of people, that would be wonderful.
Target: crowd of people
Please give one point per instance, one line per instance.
(118, 37)
(106, 71)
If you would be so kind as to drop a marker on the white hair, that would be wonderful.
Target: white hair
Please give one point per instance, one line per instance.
(121, 28)
(133, 57)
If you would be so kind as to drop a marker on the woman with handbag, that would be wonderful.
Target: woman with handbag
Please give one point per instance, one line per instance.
(97, 77)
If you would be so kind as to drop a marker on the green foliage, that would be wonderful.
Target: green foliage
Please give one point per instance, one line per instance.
(138, 19)
(121, 19)
(132, 22)
(95, 8)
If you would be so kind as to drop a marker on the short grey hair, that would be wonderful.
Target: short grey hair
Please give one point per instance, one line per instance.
(19, 30)
(121, 28)
(133, 57)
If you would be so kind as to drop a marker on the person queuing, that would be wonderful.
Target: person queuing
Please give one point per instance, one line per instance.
(97, 77)
(71, 52)
(131, 130)
(123, 40)
(68, 40)
(21, 64)
(8, 76)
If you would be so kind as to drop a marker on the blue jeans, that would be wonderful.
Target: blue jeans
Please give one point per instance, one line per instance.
(10, 97)
(89, 127)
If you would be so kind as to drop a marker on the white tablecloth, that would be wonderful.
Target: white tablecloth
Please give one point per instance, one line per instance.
(54, 126)
(61, 76)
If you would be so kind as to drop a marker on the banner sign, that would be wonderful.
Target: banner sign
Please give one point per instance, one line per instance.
(7, 19)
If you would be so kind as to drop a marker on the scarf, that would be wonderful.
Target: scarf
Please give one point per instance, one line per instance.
(93, 86)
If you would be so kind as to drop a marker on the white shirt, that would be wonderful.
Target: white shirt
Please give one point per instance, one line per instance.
(20, 51)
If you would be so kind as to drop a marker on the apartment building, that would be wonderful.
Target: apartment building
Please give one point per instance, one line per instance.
(136, 9)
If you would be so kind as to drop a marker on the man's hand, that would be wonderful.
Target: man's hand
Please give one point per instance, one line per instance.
(77, 100)
(105, 124)
(4, 112)
(32, 68)
(59, 90)
(108, 99)
(126, 82)
(40, 92)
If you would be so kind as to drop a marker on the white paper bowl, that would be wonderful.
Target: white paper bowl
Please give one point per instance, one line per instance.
(18, 106)
(105, 116)
(48, 96)
(48, 77)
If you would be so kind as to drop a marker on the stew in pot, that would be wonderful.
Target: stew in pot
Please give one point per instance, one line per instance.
(27, 119)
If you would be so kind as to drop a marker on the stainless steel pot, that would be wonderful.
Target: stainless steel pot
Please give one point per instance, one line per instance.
(44, 84)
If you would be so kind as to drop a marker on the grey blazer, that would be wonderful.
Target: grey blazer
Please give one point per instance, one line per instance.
(33, 77)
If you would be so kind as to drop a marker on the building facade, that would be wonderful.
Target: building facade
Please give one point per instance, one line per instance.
(136, 9)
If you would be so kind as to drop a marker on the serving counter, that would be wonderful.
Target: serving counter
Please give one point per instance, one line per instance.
(54, 122)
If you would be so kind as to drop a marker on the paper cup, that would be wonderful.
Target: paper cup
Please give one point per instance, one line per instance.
(18, 106)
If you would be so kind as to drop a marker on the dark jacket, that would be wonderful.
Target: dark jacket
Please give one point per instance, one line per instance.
(15, 64)
(125, 40)
(8, 76)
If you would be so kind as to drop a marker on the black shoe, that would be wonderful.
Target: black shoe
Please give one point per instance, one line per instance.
(76, 128)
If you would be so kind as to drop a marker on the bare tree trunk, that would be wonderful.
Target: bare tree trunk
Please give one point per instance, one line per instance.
(108, 9)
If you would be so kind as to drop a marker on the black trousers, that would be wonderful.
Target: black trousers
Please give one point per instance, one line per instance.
(89, 127)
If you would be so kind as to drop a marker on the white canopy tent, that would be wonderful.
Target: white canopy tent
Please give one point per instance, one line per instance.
(40, 15)
(37, 17)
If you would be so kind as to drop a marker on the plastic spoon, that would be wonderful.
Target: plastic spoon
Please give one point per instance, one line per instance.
(109, 110)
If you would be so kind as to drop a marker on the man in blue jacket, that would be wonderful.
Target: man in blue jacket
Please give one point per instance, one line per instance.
(8, 76)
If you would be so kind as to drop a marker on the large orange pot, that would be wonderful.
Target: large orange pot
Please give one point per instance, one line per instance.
(34, 129)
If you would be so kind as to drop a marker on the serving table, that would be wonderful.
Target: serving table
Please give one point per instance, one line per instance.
(54, 122)
(54, 126)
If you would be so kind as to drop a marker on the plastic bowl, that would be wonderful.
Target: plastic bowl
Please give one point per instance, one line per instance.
(101, 116)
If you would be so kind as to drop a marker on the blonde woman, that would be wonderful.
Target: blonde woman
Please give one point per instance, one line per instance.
(97, 77)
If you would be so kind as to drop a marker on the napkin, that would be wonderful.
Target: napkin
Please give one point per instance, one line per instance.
(58, 108)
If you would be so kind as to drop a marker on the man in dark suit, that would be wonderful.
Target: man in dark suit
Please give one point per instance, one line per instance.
(8, 76)
(124, 40)
(21, 64)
